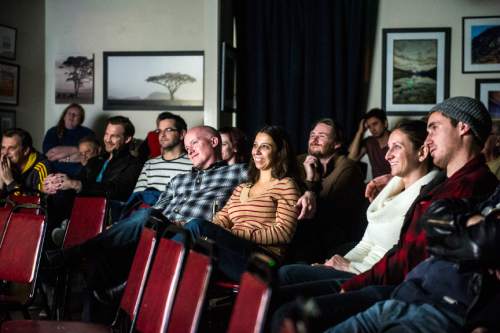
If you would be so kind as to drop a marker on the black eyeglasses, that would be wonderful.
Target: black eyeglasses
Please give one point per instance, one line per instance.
(167, 130)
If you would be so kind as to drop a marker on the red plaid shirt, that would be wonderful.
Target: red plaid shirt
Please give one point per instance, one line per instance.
(473, 179)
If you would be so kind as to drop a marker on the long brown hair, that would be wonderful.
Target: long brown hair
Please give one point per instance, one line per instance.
(60, 124)
(283, 160)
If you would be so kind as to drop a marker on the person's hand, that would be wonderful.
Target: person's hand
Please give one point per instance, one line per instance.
(53, 153)
(306, 205)
(376, 185)
(51, 184)
(362, 125)
(311, 167)
(6, 171)
(339, 263)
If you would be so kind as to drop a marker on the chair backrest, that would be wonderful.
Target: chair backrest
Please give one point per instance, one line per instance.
(21, 247)
(14, 200)
(253, 297)
(191, 292)
(136, 281)
(160, 289)
(87, 220)
(4, 219)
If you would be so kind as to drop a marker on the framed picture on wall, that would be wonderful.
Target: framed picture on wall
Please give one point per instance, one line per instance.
(7, 119)
(74, 79)
(9, 83)
(159, 80)
(481, 48)
(8, 42)
(488, 92)
(415, 69)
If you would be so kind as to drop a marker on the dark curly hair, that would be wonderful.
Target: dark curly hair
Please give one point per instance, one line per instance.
(283, 160)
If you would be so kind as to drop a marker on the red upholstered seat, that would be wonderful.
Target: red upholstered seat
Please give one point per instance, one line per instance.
(190, 296)
(251, 304)
(160, 290)
(87, 220)
(27, 200)
(128, 305)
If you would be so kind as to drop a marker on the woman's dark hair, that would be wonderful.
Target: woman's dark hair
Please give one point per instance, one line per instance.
(60, 128)
(240, 142)
(283, 160)
(416, 131)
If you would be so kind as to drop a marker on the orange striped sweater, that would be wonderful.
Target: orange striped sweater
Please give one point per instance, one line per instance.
(268, 219)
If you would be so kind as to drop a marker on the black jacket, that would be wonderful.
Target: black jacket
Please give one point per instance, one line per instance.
(118, 180)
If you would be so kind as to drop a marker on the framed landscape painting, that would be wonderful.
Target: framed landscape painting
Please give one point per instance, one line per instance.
(74, 79)
(481, 44)
(415, 69)
(9, 83)
(488, 92)
(157, 80)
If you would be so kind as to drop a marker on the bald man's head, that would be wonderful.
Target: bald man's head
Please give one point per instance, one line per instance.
(203, 144)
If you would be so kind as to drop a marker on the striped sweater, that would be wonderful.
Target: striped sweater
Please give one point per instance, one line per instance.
(157, 172)
(268, 219)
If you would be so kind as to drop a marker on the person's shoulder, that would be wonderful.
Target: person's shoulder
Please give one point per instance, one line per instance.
(85, 130)
(51, 131)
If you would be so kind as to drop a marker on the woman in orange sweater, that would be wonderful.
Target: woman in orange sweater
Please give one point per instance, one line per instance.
(260, 213)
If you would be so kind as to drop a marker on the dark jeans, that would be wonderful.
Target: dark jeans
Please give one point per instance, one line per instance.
(232, 252)
(335, 308)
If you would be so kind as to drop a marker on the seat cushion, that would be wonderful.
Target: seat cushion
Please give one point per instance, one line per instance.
(40, 326)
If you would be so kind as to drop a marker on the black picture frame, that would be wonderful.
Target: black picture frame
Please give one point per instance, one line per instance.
(423, 76)
(480, 35)
(7, 119)
(130, 77)
(8, 41)
(488, 92)
(9, 83)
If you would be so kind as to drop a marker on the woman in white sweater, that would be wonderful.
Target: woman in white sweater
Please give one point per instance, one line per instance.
(411, 167)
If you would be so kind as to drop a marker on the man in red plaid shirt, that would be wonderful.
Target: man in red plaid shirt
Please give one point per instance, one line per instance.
(457, 129)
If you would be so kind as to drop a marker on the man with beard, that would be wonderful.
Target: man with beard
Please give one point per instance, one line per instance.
(375, 145)
(338, 183)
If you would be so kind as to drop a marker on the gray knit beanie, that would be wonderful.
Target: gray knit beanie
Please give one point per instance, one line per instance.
(470, 111)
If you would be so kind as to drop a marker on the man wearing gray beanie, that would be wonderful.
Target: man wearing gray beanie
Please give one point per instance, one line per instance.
(457, 129)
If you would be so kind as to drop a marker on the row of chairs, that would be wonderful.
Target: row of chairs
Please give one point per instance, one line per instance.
(166, 288)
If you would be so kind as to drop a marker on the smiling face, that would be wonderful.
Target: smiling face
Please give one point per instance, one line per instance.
(87, 150)
(442, 139)
(72, 118)
(114, 137)
(168, 135)
(201, 147)
(375, 126)
(263, 151)
(321, 143)
(402, 155)
(13, 149)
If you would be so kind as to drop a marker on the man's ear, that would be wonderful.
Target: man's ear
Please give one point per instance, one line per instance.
(463, 128)
(182, 134)
(127, 140)
(423, 152)
(214, 141)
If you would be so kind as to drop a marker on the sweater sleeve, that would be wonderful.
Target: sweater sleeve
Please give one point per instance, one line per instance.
(360, 251)
(283, 228)
(50, 140)
(222, 217)
(142, 181)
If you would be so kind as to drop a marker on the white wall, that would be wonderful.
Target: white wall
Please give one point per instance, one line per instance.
(94, 26)
(27, 16)
(430, 13)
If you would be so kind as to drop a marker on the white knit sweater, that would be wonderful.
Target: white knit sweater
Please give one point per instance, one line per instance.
(385, 217)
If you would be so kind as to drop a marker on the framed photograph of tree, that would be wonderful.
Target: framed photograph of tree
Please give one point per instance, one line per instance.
(415, 69)
(488, 92)
(74, 79)
(154, 80)
(481, 44)
(9, 83)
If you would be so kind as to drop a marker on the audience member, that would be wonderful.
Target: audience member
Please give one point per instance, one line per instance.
(411, 167)
(235, 145)
(112, 175)
(375, 145)
(339, 185)
(88, 147)
(491, 149)
(150, 147)
(260, 212)
(60, 144)
(22, 169)
(457, 129)
(452, 290)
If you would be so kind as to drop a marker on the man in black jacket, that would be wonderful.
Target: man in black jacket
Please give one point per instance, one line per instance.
(113, 175)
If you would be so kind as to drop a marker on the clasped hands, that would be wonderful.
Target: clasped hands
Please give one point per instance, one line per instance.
(59, 182)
